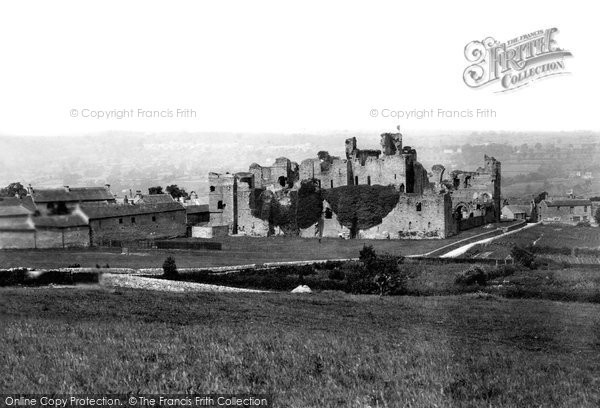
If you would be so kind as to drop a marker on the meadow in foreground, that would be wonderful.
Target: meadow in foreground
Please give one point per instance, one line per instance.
(316, 350)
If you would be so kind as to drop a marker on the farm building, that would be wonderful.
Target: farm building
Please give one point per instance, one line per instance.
(516, 212)
(25, 202)
(197, 214)
(80, 217)
(61, 201)
(61, 231)
(133, 222)
(16, 227)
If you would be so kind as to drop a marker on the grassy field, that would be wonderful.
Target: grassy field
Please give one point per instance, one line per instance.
(236, 250)
(577, 283)
(554, 236)
(319, 350)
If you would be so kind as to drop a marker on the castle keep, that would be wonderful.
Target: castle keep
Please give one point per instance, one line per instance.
(378, 194)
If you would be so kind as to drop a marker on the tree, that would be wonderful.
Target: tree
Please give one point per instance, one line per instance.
(597, 215)
(541, 196)
(14, 190)
(170, 268)
(155, 190)
(324, 155)
(177, 192)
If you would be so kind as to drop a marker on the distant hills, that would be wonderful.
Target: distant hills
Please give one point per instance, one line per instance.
(130, 160)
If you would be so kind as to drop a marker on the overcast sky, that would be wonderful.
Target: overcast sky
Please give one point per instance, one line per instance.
(256, 66)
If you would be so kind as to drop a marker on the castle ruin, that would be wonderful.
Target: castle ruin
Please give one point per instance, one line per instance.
(420, 204)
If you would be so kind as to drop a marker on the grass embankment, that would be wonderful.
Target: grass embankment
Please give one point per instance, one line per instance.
(324, 350)
(560, 243)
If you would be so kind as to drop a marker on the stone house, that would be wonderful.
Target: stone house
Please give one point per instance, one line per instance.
(565, 211)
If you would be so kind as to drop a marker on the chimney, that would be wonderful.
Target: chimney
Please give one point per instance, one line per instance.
(67, 188)
(29, 189)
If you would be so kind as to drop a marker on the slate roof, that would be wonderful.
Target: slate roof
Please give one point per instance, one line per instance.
(568, 203)
(77, 194)
(196, 209)
(13, 211)
(59, 221)
(28, 203)
(156, 199)
(16, 224)
(25, 202)
(9, 201)
(115, 210)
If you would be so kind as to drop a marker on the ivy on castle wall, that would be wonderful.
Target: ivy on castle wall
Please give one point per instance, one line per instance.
(356, 207)
(361, 207)
(304, 209)
(310, 204)
(284, 216)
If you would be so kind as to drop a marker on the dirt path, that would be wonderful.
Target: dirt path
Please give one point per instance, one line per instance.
(140, 282)
(461, 250)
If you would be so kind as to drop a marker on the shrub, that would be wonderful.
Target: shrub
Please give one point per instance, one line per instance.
(474, 275)
(500, 271)
(367, 256)
(390, 279)
(523, 257)
(300, 270)
(12, 277)
(336, 274)
(170, 268)
(331, 265)
(358, 281)
(75, 265)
